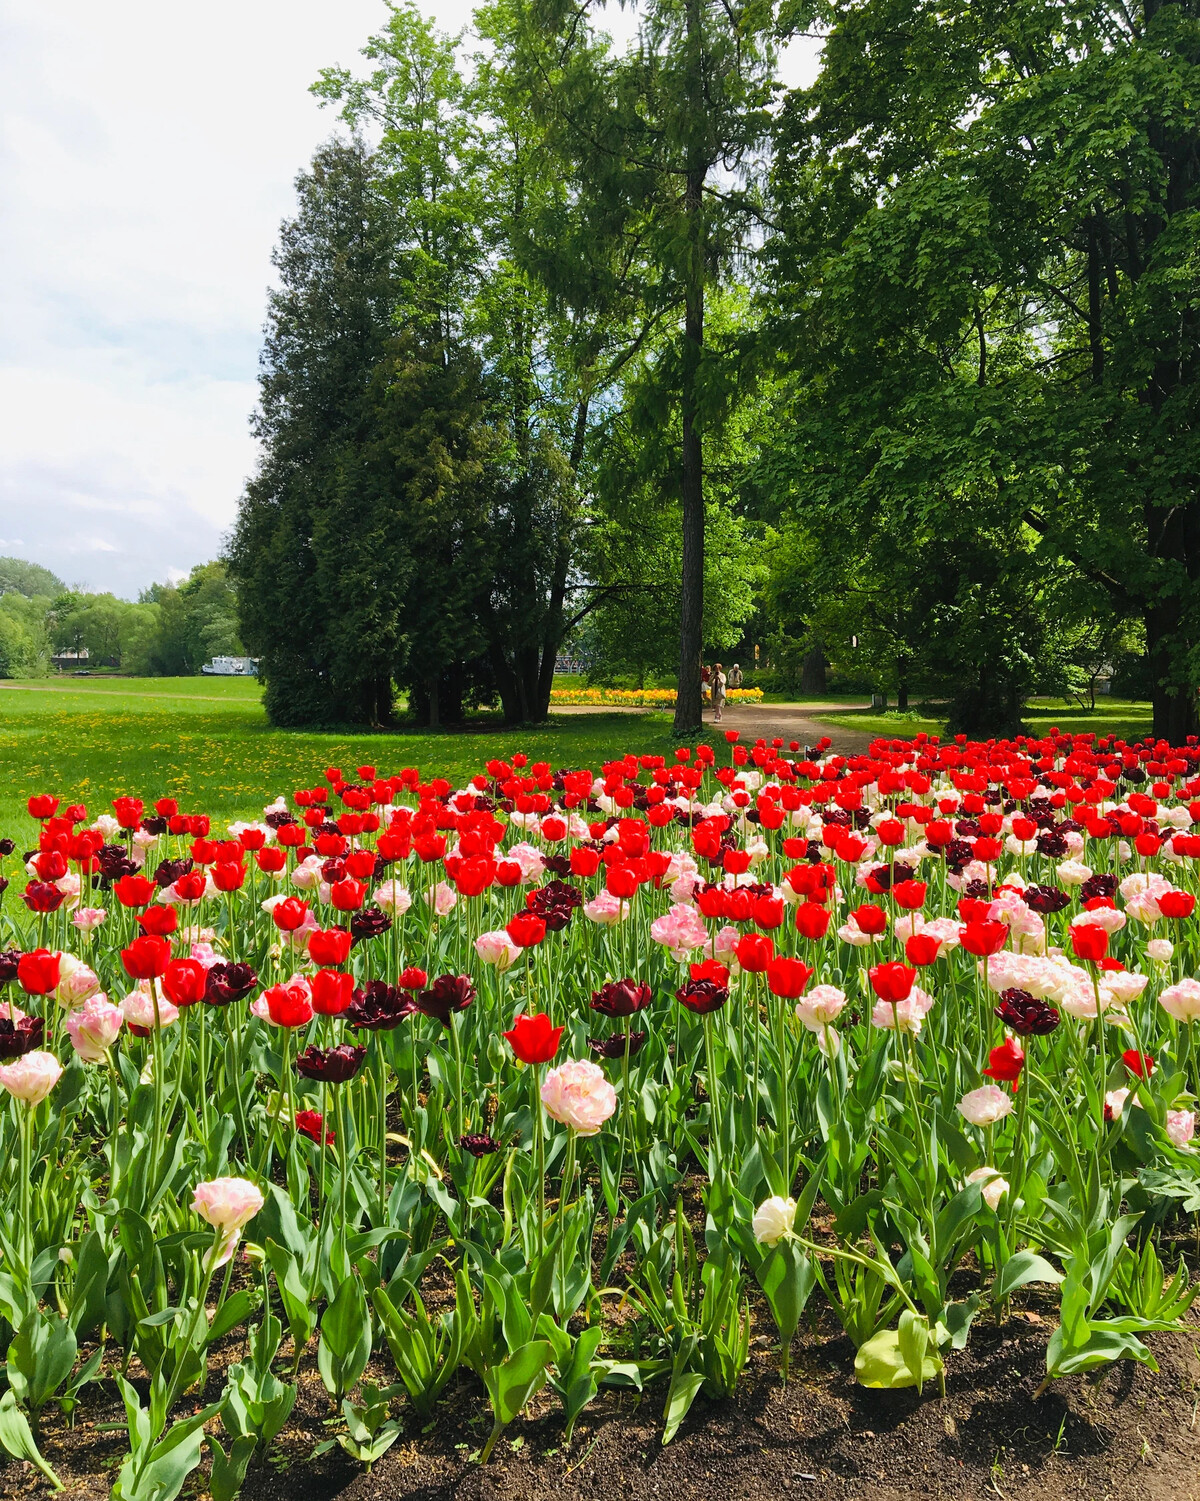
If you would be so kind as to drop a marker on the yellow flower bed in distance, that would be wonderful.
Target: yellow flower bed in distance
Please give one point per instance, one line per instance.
(640, 698)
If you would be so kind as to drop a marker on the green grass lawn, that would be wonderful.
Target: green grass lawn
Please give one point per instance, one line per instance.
(1129, 719)
(206, 741)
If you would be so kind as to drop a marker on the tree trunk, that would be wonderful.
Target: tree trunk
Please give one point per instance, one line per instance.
(812, 671)
(1174, 704)
(688, 710)
(902, 682)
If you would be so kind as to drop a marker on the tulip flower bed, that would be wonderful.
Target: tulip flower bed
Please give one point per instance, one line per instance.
(410, 1080)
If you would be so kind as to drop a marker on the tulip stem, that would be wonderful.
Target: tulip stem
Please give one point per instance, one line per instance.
(784, 1121)
(114, 1124)
(382, 1062)
(458, 1073)
(539, 1156)
(624, 1122)
(202, 1082)
(343, 1168)
(157, 1085)
(26, 1170)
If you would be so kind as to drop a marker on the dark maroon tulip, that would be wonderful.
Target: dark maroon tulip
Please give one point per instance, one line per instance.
(167, 872)
(447, 994)
(554, 904)
(42, 896)
(6, 848)
(20, 1037)
(1045, 899)
(379, 1007)
(113, 862)
(369, 923)
(621, 998)
(1103, 883)
(702, 996)
(1026, 1014)
(614, 1046)
(9, 960)
(330, 1065)
(479, 1145)
(226, 983)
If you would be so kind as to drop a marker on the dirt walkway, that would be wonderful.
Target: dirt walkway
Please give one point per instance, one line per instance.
(783, 721)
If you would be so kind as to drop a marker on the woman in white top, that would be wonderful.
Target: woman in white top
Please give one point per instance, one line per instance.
(718, 691)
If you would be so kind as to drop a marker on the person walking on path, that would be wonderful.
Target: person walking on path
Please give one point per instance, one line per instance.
(718, 691)
(734, 676)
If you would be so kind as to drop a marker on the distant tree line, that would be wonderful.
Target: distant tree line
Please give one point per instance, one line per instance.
(170, 630)
(644, 352)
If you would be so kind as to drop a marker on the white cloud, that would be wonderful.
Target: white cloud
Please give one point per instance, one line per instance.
(148, 157)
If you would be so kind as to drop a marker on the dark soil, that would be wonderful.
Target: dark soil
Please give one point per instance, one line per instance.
(1130, 1433)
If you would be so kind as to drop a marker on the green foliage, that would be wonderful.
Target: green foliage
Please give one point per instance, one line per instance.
(637, 568)
(30, 579)
(984, 305)
(197, 621)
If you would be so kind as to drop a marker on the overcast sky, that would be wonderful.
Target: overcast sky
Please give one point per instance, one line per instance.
(147, 154)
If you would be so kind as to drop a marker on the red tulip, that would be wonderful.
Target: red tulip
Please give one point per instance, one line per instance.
(983, 937)
(191, 886)
(332, 992)
(473, 877)
(147, 957)
(870, 919)
(330, 946)
(526, 929)
(129, 811)
(812, 920)
(533, 1039)
(909, 894)
(311, 1123)
(1005, 1062)
(892, 982)
(134, 891)
(584, 862)
(621, 881)
(754, 952)
(1140, 1065)
(922, 949)
(42, 805)
(184, 981)
(289, 1005)
(787, 978)
(228, 875)
(289, 914)
(1089, 941)
(1176, 904)
(348, 895)
(412, 978)
(38, 971)
(709, 969)
(160, 920)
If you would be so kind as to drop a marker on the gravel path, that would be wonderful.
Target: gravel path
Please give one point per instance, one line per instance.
(785, 721)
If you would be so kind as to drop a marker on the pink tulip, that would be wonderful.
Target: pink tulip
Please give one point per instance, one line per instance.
(32, 1077)
(94, 1028)
(577, 1095)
